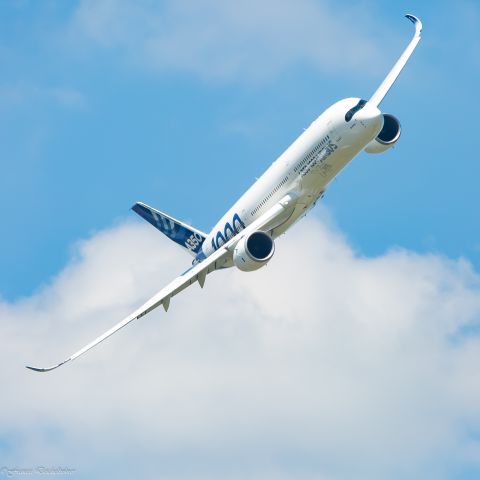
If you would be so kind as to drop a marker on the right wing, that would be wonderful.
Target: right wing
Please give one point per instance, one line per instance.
(271, 219)
(196, 273)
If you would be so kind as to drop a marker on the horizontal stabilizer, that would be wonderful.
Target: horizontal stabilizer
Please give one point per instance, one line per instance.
(184, 235)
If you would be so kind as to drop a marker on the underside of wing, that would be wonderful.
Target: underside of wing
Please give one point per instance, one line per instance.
(219, 259)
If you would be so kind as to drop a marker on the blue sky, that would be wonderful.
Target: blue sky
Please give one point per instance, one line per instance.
(352, 355)
(89, 125)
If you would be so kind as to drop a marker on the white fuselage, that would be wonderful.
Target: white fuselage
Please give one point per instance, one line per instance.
(304, 170)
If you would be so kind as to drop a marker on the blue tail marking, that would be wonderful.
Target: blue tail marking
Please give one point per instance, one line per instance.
(184, 235)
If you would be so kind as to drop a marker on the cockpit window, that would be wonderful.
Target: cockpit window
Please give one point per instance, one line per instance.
(349, 115)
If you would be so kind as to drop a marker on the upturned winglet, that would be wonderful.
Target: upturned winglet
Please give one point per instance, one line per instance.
(47, 369)
(416, 21)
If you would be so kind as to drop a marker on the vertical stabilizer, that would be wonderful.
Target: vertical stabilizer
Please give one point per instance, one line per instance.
(184, 235)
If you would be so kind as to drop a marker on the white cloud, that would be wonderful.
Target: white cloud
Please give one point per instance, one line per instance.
(325, 364)
(250, 41)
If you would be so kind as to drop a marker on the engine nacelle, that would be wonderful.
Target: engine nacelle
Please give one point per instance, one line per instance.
(253, 251)
(388, 136)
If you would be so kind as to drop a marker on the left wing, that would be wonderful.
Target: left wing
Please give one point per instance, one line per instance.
(271, 219)
(383, 89)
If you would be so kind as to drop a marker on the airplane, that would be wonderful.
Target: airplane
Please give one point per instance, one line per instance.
(245, 236)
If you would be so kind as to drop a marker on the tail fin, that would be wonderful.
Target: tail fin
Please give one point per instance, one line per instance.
(383, 89)
(186, 236)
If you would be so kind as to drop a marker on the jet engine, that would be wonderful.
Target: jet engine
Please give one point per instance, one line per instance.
(388, 136)
(253, 251)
